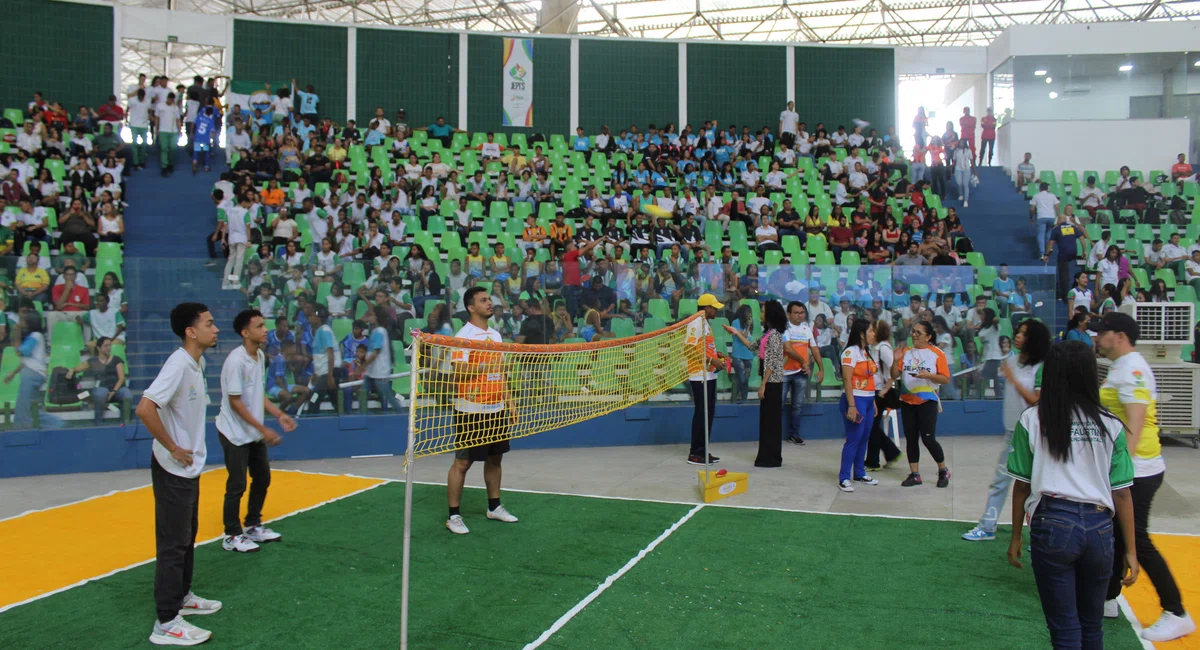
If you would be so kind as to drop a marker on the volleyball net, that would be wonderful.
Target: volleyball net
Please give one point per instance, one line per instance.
(471, 393)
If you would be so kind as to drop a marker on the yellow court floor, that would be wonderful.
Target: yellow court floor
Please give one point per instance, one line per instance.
(49, 550)
(1183, 554)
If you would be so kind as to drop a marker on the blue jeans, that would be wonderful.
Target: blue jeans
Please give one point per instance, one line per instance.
(1042, 228)
(962, 178)
(381, 386)
(1072, 558)
(998, 490)
(854, 450)
(741, 378)
(917, 172)
(797, 384)
(100, 400)
(31, 395)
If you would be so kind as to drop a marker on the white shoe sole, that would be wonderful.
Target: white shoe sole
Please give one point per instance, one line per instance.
(457, 532)
(163, 639)
(266, 541)
(507, 521)
(183, 611)
(846, 488)
(234, 549)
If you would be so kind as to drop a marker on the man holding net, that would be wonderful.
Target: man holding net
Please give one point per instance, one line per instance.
(483, 412)
(703, 377)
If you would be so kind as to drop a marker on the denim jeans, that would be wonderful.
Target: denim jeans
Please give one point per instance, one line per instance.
(30, 395)
(917, 172)
(998, 490)
(1042, 228)
(854, 449)
(381, 386)
(797, 384)
(962, 178)
(100, 400)
(741, 378)
(1072, 557)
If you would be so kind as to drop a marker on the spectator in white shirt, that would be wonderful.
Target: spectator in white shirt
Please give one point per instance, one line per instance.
(1091, 198)
(788, 122)
(1043, 213)
(1175, 256)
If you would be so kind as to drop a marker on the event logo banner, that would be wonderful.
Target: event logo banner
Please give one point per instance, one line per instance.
(517, 78)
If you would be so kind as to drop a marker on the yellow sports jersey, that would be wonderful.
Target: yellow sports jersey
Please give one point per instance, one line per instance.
(1130, 381)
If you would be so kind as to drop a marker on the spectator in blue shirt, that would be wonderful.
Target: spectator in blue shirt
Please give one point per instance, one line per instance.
(441, 131)
(308, 101)
(1002, 288)
(374, 137)
(581, 143)
(278, 336)
(356, 337)
(289, 396)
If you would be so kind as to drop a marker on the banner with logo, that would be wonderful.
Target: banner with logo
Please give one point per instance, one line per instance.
(255, 94)
(517, 102)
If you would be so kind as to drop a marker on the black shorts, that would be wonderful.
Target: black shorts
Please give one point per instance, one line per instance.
(469, 428)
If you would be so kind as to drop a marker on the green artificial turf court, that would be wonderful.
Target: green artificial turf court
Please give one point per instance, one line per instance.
(727, 577)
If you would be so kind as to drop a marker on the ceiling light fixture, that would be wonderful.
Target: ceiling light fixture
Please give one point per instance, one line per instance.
(1126, 68)
(1053, 95)
(1049, 79)
(1039, 73)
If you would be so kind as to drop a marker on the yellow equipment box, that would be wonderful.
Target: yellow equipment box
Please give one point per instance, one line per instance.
(722, 484)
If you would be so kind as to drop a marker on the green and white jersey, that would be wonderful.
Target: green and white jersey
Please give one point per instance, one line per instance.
(1099, 462)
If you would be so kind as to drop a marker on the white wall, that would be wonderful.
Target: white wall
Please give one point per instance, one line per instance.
(952, 60)
(1093, 144)
(1107, 98)
(158, 24)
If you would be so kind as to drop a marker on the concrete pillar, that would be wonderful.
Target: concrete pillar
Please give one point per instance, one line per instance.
(558, 16)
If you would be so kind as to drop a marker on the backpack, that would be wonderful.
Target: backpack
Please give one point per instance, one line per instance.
(62, 390)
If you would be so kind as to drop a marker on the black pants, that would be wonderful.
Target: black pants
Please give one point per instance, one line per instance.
(920, 426)
(239, 458)
(324, 393)
(1066, 269)
(176, 520)
(86, 240)
(788, 138)
(215, 249)
(990, 147)
(879, 440)
(1151, 561)
(770, 426)
(698, 414)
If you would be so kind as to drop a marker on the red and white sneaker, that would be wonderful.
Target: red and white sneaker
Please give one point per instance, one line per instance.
(178, 632)
(194, 605)
(239, 544)
(260, 535)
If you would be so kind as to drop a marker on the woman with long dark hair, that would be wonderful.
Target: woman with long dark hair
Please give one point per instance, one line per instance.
(857, 404)
(1077, 329)
(886, 397)
(1023, 372)
(770, 392)
(1072, 469)
(743, 352)
(922, 369)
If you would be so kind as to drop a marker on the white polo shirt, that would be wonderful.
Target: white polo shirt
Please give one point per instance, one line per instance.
(1044, 203)
(241, 375)
(181, 394)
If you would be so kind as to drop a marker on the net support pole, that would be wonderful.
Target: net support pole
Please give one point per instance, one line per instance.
(408, 484)
(705, 333)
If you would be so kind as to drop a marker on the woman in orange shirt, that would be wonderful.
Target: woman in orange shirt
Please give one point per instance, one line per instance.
(273, 197)
(857, 404)
(937, 170)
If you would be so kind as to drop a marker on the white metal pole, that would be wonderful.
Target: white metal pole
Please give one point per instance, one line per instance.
(408, 484)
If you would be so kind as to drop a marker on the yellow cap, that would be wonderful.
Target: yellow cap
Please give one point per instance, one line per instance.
(709, 300)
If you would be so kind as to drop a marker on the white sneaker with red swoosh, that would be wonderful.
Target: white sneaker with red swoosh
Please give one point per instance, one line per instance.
(194, 605)
(178, 632)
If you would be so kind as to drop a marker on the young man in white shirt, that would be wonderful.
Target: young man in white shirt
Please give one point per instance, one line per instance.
(484, 410)
(172, 409)
(244, 437)
(236, 238)
(166, 135)
(1175, 256)
(138, 118)
(788, 123)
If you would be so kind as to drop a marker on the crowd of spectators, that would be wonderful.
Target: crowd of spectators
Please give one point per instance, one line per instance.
(62, 196)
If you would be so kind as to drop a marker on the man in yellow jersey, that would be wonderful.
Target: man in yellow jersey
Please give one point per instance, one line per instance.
(1129, 391)
(483, 410)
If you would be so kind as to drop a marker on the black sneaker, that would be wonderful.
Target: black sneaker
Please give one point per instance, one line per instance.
(943, 477)
(913, 479)
(796, 440)
(699, 460)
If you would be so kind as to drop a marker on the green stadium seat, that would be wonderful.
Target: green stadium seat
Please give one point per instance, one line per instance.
(661, 309)
(687, 307)
(622, 327)
(1167, 276)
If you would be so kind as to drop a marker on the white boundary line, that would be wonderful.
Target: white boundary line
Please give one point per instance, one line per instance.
(1131, 618)
(608, 582)
(207, 541)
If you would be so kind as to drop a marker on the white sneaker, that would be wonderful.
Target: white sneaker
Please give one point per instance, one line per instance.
(500, 514)
(262, 535)
(194, 605)
(846, 486)
(178, 632)
(1112, 609)
(455, 525)
(966, 204)
(866, 480)
(1169, 627)
(239, 543)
